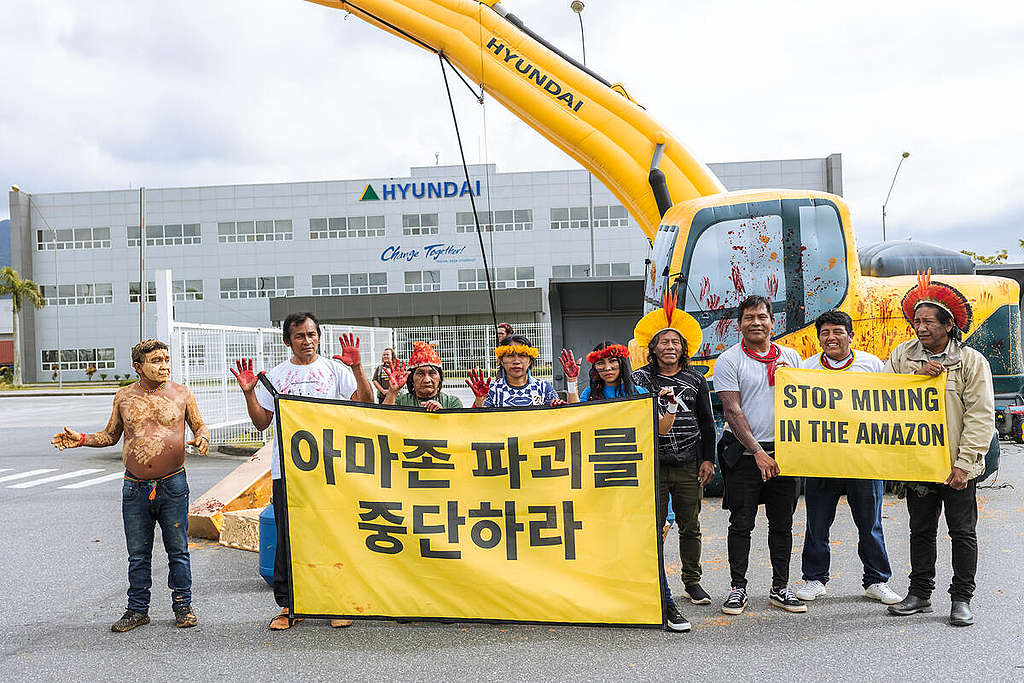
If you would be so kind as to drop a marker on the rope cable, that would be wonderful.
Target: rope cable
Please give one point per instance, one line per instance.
(472, 201)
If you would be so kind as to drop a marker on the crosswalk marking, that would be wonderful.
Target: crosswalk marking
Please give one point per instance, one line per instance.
(91, 482)
(56, 477)
(26, 475)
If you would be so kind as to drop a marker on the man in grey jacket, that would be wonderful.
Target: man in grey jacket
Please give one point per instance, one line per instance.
(939, 314)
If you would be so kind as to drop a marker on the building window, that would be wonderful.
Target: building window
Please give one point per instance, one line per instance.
(253, 231)
(78, 359)
(583, 270)
(133, 292)
(350, 283)
(187, 290)
(465, 222)
(499, 221)
(501, 278)
(610, 217)
(611, 269)
(514, 219)
(340, 228)
(78, 295)
(166, 235)
(73, 238)
(565, 219)
(423, 281)
(257, 287)
(419, 224)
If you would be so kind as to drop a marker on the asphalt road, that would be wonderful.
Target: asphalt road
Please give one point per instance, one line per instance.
(64, 571)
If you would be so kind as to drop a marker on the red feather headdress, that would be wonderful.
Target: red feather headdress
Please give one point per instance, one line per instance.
(613, 351)
(945, 297)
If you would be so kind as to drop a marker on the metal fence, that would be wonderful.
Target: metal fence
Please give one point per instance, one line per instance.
(464, 347)
(201, 356)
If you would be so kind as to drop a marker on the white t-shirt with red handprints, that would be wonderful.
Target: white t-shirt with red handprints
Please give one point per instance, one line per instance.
(323, 378)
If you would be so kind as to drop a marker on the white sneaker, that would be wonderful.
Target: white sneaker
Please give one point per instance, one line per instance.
(882, 593)
(811, 590)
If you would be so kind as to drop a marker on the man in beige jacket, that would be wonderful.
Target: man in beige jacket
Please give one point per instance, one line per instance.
(938, 314)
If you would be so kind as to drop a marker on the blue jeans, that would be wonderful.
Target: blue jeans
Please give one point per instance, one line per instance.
(865, 499)
(169, 508)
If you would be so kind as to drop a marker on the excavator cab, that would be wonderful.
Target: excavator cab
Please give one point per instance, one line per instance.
(794, 247)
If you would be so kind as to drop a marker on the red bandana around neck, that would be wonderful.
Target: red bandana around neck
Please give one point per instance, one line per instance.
(826, 362)
(769, 359)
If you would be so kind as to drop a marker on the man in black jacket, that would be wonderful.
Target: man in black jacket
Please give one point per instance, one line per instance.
(687, 453)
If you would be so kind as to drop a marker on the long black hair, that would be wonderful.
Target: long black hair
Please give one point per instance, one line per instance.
(624, 384)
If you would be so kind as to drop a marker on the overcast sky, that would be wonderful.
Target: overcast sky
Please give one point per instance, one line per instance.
(104, 95)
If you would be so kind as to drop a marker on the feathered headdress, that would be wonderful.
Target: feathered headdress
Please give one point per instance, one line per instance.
(668, 317)
(423, 354)
(945, 297)
(613, 351)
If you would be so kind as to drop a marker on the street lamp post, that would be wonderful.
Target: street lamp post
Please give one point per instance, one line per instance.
(577, 7)
(893, 184)
(56, 277)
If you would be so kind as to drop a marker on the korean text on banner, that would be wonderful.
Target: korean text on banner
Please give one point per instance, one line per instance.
(861, 425)
(542, 515)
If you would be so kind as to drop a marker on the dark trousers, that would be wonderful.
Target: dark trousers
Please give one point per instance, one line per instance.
(865, 499)
(961, 520)
(169, 509)
(282, 565)
(681, 483)
(744, 491)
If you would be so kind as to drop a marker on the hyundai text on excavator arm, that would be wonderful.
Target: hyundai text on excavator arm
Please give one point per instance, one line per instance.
(710, 247)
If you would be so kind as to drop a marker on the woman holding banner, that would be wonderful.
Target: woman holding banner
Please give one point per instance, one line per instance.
(422, 379)
(611, 377)
(515, 386)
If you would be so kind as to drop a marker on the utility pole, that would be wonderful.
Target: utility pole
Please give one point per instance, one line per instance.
(905, 155)
(142, 263)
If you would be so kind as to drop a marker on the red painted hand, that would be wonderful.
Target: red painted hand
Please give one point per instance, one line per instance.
(350, 355)
(480, 384)
(244, 374)
(558, 402)
(398, 374)
(569, 365)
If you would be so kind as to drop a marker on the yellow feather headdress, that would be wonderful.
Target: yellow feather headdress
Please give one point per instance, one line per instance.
(668, 317)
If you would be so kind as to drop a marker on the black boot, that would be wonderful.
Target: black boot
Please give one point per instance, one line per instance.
(911, 605)
(960, 614)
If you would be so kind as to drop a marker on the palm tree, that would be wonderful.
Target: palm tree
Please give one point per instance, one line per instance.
(22, 292)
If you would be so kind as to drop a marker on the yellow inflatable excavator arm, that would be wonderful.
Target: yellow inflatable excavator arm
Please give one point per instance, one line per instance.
(592, 121)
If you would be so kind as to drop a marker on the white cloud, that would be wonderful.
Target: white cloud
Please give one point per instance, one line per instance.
(115, 93)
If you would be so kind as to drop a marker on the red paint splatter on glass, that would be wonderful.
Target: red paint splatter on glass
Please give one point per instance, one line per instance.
(737, 279)
(773, 284)
(705, 287)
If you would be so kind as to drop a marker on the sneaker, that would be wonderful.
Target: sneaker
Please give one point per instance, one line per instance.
(880, 592)
(674, 621)
(130, 620)
(184, 617)
(697, 595)
(813, 589)
(736, 601)
(785, 598)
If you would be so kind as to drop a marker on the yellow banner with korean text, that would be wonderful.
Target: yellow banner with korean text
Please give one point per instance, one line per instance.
(861, 425)
(531, 514)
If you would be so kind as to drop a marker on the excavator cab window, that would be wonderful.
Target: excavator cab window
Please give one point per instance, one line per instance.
(792, 251)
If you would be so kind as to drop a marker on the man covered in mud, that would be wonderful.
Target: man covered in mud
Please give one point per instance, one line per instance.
(152, 413)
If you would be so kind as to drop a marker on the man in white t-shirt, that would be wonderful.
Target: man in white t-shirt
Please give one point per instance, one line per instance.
(821, 494)
(745, 382)
(306, 373)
